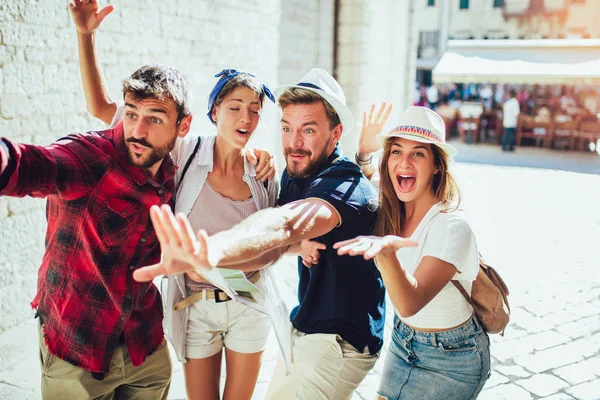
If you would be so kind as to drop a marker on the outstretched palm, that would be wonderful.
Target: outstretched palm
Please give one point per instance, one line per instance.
(86, 16)
(372, 246)
(372, 126)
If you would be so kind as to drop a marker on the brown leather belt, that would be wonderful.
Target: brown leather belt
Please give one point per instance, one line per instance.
(217, 295)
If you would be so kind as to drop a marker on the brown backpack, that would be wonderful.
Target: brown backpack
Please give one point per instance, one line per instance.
(488, 298)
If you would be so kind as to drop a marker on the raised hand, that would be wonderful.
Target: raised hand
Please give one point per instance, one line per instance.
(182, 251)
(86, 16)
(309, 251)
(264, 162)
(372, 246)
(372, 126)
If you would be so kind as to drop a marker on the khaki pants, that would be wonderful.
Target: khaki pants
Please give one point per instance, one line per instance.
(151, 380)
(324, 367)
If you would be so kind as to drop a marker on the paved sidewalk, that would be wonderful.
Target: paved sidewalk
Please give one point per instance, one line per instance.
(528, 156)
(540, 228)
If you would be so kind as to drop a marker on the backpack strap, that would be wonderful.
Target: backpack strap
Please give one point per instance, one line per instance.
(462, 290)
(189, 161)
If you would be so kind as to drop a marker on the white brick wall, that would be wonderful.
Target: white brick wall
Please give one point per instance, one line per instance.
(41, 97)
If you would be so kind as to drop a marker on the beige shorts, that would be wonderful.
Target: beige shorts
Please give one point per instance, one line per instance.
(231, 324)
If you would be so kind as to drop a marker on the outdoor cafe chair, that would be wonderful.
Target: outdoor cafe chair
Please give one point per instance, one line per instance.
(563, 131)
(529, 127)
(587, 132)
(469, 120)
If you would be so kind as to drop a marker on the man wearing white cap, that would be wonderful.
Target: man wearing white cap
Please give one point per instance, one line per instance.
(338, 325)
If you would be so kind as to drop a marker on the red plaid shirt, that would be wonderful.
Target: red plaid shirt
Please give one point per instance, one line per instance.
(99, 231)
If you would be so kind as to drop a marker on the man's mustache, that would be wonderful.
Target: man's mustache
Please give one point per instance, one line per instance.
(298, 152)
(141, 142)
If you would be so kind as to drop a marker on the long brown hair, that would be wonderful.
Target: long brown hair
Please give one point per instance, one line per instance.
(391, 209)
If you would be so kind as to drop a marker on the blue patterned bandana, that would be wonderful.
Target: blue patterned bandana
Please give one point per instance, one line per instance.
(226, 75)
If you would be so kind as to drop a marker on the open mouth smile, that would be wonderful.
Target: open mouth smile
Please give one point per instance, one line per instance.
(406, 182)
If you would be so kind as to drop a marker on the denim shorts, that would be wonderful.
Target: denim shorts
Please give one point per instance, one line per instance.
(452, 364)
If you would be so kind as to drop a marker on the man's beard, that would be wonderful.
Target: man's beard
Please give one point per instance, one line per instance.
(155, 154)
(313, 165)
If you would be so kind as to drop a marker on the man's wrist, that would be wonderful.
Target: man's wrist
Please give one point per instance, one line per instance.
(363, 159)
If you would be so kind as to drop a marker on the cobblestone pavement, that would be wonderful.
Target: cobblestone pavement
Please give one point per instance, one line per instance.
(538, 227)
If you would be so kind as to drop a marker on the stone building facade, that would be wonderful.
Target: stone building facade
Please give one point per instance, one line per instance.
(433, 22)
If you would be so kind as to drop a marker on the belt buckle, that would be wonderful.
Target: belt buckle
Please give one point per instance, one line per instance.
(218, 298)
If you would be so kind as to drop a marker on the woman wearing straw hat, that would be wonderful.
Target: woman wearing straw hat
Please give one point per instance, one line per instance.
(439, 349)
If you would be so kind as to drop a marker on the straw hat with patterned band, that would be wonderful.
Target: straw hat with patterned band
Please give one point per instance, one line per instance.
(319, 81)
(421, 125)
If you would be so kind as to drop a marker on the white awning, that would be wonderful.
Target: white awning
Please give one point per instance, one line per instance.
(565, 62)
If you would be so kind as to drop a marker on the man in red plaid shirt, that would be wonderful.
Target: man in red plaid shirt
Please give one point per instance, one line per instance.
(101, 331)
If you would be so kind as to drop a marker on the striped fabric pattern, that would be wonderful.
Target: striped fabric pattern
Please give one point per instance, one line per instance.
(214, 213)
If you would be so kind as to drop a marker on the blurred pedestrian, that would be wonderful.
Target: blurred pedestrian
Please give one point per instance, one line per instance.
(510, 120)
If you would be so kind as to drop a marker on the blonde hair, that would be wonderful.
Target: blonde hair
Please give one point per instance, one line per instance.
(304, 96)
(391, 209)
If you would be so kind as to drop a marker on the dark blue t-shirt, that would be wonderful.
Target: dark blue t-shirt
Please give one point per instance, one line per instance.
(342, 295)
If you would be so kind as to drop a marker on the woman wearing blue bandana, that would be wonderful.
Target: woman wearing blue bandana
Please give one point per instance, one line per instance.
(218, 191)
(216, 188)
